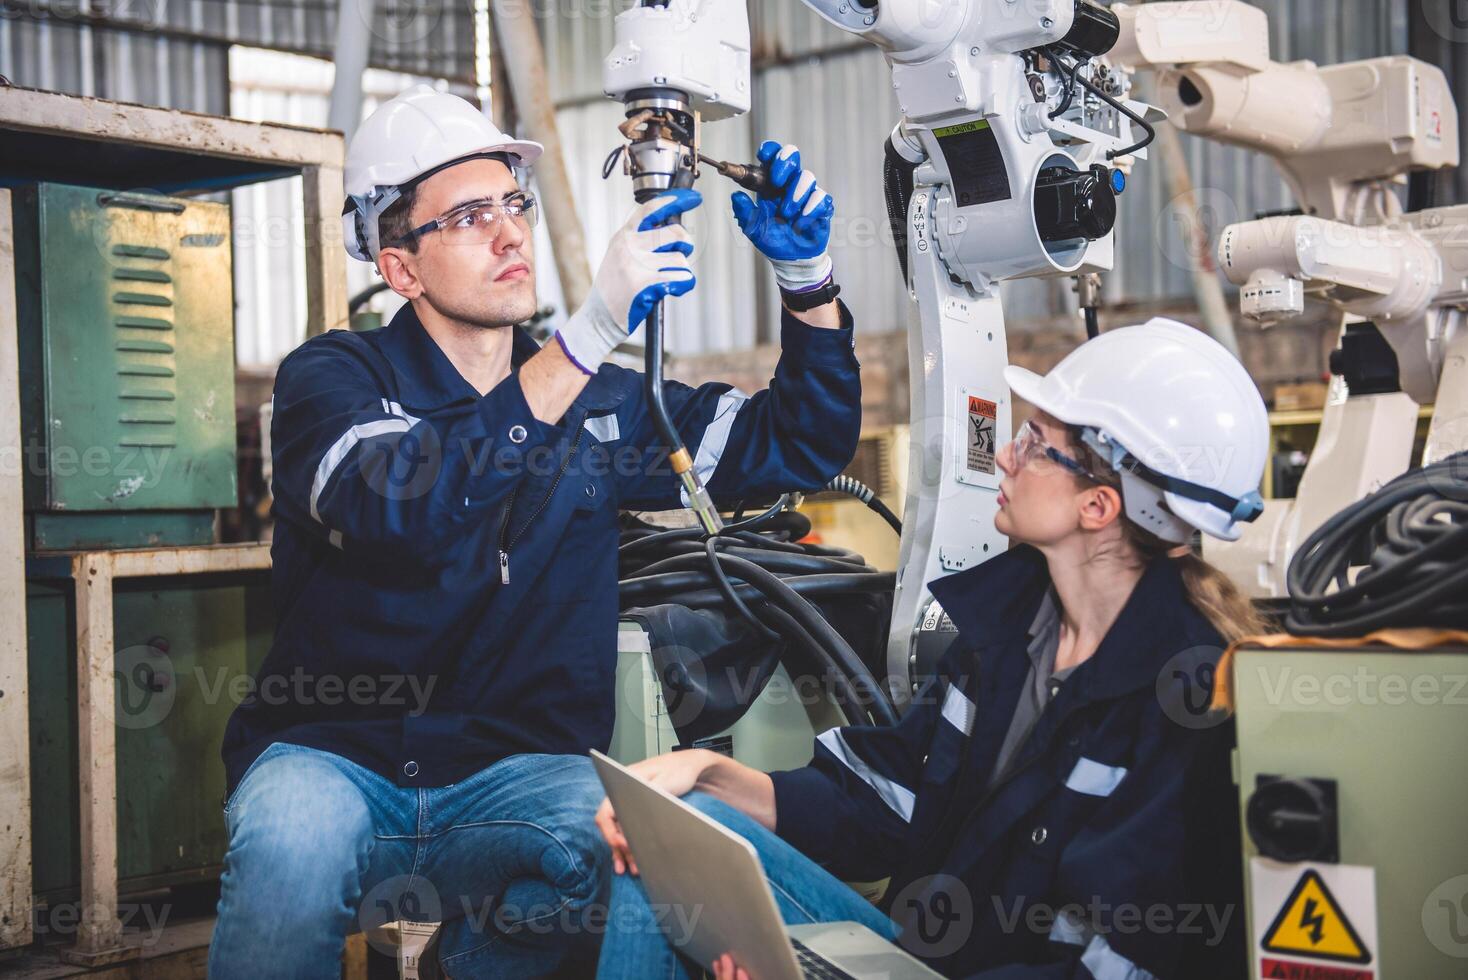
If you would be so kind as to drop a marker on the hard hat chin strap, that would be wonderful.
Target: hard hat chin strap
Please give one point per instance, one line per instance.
(1246, 508)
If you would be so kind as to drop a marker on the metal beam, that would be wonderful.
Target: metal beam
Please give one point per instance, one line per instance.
(518, 43)
(99, 936)
(15, 734)
(29, 110)
(353, 42)
(326, 257)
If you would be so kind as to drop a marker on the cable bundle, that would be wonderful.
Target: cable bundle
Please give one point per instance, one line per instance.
(755, 569)
(1412, 537)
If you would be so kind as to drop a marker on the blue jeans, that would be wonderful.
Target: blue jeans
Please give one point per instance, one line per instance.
(637, 948)
(319, 847)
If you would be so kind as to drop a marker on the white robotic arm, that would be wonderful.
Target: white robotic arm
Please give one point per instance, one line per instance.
(1344, 136)
(1005, 164)
(1336, 132)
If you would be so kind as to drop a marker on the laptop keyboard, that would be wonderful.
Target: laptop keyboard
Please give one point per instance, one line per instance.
(816, 967)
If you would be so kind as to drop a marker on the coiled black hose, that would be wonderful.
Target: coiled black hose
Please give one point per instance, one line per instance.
(756, 570)
(1411, 536)
(831, 645)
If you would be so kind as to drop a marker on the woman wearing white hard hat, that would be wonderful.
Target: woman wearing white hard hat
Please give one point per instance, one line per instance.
(1058, 801)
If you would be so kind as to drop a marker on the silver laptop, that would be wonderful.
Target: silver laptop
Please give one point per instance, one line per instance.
(709, 880)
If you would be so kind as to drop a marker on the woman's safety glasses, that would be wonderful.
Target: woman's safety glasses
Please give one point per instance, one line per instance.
(1030, 447)
(477, 222)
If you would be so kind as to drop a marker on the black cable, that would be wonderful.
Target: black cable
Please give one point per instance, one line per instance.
(809, 617)
(1411, 536)
(854, 487)
(1070, 83)
(1146, 126)
(781, 563)
(366, 294)
(648, 540)
(844, 695)
(610, 163)
(782, 594)
(897, 185)
(727, 591)
(695, 589)
(1093, 322)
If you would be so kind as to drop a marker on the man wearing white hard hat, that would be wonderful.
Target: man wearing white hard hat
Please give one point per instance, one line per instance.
(445, 555)
(1062, 780)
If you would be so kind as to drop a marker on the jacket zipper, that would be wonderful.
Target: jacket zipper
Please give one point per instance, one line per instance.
(510, 504)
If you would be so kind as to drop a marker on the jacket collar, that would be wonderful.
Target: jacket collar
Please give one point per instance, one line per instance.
(428, 380)
(999, 599)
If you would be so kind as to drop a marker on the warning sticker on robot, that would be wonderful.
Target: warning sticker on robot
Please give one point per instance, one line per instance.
(1314, 921)
(981, 434)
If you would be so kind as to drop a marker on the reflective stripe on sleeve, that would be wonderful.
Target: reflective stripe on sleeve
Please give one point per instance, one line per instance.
(959, 710)
(716, 437)
(895, 795)
(343, 446)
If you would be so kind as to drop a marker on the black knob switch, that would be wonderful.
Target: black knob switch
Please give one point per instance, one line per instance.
(1294, 819)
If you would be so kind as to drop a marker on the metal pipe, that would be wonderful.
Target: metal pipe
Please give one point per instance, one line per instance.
(524, 57)
(353, 46)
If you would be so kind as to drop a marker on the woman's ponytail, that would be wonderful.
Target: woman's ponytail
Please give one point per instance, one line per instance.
(1219, 600)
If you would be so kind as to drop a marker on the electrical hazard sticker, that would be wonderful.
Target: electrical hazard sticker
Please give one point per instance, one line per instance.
(982, 433)
(1314, 921)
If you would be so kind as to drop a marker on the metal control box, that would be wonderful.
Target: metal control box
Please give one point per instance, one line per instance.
(126, 318)
(1360, 868)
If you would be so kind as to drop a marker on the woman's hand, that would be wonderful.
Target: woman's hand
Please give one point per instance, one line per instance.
(673, 772)
(725, 969)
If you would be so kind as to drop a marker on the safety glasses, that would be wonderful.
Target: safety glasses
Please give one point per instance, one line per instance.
(477, 222)
(1030, 447)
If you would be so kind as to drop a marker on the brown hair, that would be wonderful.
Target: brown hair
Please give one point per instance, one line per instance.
(1210, 591)
(396, 221)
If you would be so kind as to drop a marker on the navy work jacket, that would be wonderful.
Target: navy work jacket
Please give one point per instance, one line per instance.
(445, 565)
(1110, 849)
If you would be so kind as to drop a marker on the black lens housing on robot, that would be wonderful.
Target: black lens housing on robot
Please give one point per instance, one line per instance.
(1094, 31)
(1071, 204)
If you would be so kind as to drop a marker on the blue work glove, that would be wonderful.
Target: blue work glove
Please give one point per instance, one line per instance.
(794, 228)
(646, 260)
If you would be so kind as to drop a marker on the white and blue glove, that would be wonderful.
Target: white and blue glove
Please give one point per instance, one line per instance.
(646, 260)
(792, 229)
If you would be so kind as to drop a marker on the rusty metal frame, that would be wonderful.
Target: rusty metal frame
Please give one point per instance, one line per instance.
(99, 938)
(15, 736)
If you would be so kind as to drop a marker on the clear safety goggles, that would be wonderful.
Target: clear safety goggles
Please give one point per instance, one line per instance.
(478, 222)
(1030, 447)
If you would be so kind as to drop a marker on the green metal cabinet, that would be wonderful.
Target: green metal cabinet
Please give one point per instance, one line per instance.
(127, 366)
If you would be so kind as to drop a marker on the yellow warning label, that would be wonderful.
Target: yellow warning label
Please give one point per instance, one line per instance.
(1311, 923)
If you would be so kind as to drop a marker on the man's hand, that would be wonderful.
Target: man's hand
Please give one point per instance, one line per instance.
(645, 261)
(674, 772)
(794, 228)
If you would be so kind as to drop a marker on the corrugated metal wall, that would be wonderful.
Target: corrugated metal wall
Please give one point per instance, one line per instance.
(126, 65)
(153, 52)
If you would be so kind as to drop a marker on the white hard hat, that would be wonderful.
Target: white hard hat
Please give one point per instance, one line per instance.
(1174, 413)
(408, 138)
